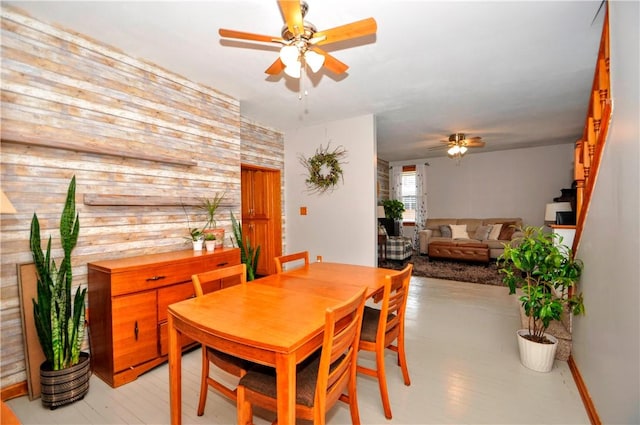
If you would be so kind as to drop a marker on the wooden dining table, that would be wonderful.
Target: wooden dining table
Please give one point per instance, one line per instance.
(276, 320)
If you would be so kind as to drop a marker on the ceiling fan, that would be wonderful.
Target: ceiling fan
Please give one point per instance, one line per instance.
(300, 40)
(458, 144)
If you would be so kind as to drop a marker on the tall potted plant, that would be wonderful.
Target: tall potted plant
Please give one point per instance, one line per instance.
(59, 318)
(210, 207)
(393, 210)
(546, 272)
(248, 254)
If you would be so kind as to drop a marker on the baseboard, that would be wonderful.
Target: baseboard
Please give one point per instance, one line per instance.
(584, 393)
(15, 390)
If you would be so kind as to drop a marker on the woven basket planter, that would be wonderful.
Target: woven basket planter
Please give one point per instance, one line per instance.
(60, 387)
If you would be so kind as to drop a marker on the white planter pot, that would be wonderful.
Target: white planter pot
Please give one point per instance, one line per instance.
(536, 356)
(210, 245)
(197, 245)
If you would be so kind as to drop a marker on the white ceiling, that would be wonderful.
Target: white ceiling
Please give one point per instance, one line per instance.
(517, 74)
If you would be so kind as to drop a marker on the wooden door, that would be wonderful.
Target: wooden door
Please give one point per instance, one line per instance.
(261, 214)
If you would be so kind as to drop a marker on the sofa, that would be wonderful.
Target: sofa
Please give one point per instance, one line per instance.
(473, 239)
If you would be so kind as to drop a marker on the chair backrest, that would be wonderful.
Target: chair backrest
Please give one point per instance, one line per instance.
(338, 359)
(394, 303)
(297, 257)
(202, 281)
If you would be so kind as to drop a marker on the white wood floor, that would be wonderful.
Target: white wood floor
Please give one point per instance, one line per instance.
(463, 361)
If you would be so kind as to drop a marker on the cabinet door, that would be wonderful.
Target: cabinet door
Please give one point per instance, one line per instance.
(135, 329)
(255, 193)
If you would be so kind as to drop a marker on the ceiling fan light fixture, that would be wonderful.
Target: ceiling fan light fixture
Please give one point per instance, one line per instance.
(314, 60)
(293, 70)
(289, 55)
(463, 150)
(453, 150)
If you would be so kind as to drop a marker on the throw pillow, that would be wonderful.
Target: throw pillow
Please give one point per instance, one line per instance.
(482, 233)
(445, 231)
(507, 230)
(495, 232)
(459, 231)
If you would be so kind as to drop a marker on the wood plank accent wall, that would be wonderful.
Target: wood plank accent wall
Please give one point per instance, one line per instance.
(69, 106)
(383, 180)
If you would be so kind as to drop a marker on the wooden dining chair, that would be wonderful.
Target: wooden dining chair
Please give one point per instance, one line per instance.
(296, 258)
(382, 327)
(322, 378)
(203, 283)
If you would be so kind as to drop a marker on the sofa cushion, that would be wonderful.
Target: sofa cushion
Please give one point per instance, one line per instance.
(472, 224)
(507, 231)
(495, 232)
(494, 244)
(459, 231)
(445, 231)
(482, 232)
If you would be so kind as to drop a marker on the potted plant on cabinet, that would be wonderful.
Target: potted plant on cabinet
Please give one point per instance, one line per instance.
(248, 255)
(546, 272)
(59, 318)
(210, 207)
(210, 241)
(197, 238)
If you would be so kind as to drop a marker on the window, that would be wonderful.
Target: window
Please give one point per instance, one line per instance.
(409, 194)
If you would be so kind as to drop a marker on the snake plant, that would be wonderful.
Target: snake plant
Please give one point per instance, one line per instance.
(248, 254)
(59, 320)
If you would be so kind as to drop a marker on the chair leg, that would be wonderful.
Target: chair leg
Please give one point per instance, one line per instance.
(244, 409)
(402, 361)
(203, 382)
(353, 402)
(382, 383)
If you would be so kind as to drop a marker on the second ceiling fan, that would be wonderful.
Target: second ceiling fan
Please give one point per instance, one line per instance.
(300, 40)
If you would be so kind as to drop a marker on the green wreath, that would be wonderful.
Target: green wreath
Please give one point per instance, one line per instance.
(324, 168)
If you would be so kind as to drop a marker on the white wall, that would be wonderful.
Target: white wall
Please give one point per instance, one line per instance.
(511, 183)
(606, 341)
(339, 225)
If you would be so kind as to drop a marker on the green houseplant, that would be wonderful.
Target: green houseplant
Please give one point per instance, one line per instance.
(59, 318)
(248, 254)
(393, 209)
(546, 272)
(210, 207)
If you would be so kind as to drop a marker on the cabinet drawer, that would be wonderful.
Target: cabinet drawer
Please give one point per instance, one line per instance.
(170, 273)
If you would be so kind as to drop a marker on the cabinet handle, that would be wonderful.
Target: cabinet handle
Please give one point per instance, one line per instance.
(135, 330)
(222, 264)
(154, 278)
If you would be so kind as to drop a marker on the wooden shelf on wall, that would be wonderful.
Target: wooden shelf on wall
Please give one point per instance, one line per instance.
(11, 136)
(144, 201)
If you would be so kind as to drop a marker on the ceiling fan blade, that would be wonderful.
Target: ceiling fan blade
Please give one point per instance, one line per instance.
(331, 63)
(345, 32)
(437, 148)
(475, 144)
(292, 15)
(276, 68)
(249, 36)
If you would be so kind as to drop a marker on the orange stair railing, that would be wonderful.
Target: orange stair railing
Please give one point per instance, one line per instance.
(589, 148)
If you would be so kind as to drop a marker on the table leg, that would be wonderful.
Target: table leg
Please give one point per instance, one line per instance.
(175, 373)
(286, 388)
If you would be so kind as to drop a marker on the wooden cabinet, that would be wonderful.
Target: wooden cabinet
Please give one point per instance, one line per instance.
(128, 300)
(261, 214)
